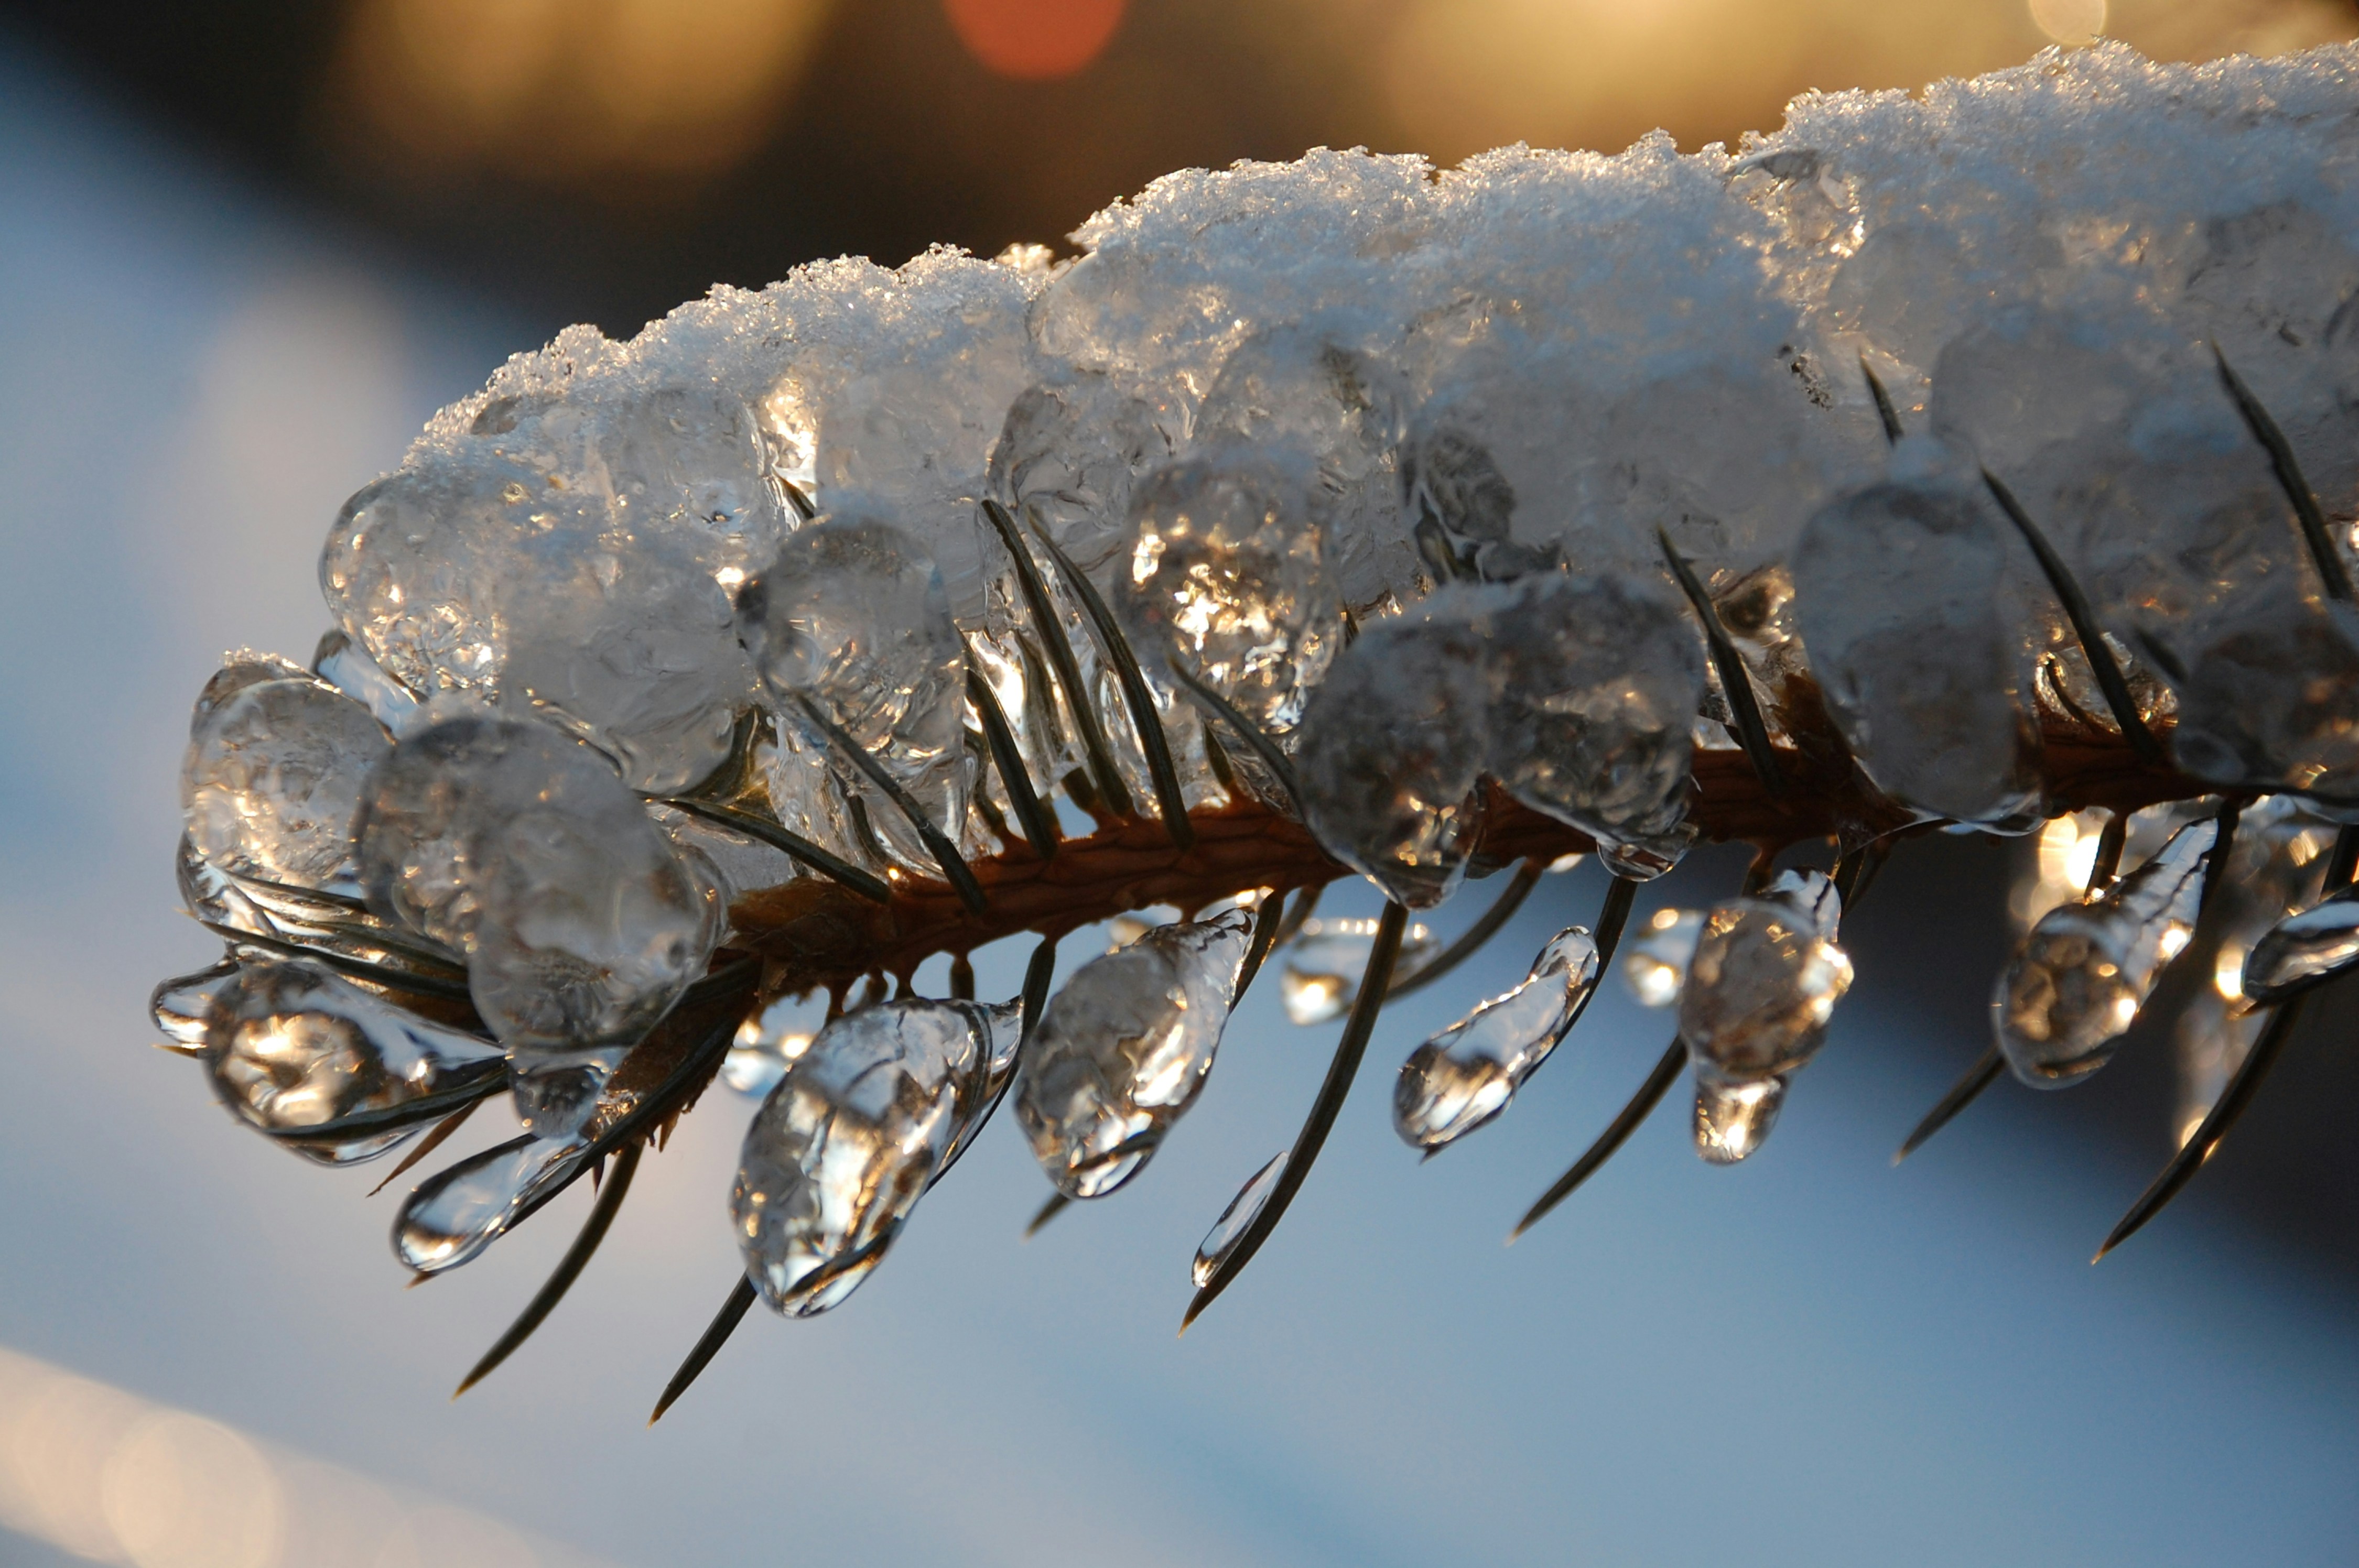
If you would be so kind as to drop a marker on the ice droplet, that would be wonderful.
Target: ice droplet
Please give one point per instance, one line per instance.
(292, 1046)
(1122, 1049)
(454, 1213)
(2303, 950)
(181, 1006)
(1764, 978)
(1468, 1073)
(1600, 681)
(1243, 1210)
(852, 617)
(1655, 965)
(1393, 748)
(1226, 572)
(1732, 1117)
(580, 921)
(848, 1142)
(273, 776)
(2076, 982)
(1321, 977)
(1896, 594)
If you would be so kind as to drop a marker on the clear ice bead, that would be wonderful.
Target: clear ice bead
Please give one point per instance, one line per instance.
(1655, 961)
(1468, 1073)
(580, 921)
(1895, 593)
(1764, 978)
(454, 1213)
(852, 618)
(273, 776)
(848, 1141)
(1320, 978)
(1226, 574)
(2076, 982)
(1073, 447)
(182, 1006)
(1305, 389)
(1732, 1117)
(1392, 751)
(592, 924)
(1122, 1051)
(1235, 1220)
(292, 1046)
(1600, 681)
(2303, 950)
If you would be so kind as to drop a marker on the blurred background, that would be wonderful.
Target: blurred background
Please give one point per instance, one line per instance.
(247, 248)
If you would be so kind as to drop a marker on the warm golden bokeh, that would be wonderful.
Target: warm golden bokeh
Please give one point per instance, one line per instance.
(1464, 75)
(567, 89)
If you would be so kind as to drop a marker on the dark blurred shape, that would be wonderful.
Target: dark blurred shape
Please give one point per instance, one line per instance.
(1034, 41)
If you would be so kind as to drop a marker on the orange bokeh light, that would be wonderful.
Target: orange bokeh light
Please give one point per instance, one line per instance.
(1034, 41)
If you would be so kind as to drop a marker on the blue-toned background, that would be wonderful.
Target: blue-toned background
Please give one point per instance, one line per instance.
(1811, 1359)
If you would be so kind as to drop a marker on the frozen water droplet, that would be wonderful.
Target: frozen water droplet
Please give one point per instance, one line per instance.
(1764, 978)
(292, 1046)
(181, 1006)
(1732, 1117)
(580, 921)
(1466, 1074)
(1300, 387)
(1243, 1210)
(1121, 1052)
(1227, 573)
(848, 1142)
(2076, 982)
(454, 1213)
(1392, 748)
(2302, 949)
(1896, 597)
(1600, 681)
(1321, 977)
(1655, 963)
(273, 776)
(852, 617)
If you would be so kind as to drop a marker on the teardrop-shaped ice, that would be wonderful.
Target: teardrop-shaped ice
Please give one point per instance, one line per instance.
(1000, 1030)
(846, 1144)
(1243, 1210)
(1733, 1116)
(592, 924)
(182, 1006)
(2305, 949)
(1306, 386)
(1393, 746)
(1320, 978)
(1122, 1049)
(1600, 681)
(292, 1046)
(1655, 960)
(852, 617)
(1896, 595)
(1226, 574)
(2076, 982)
(1764, 979)
(456, 1213)
(1466, 1074)
(273, 776)
(582, 922)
